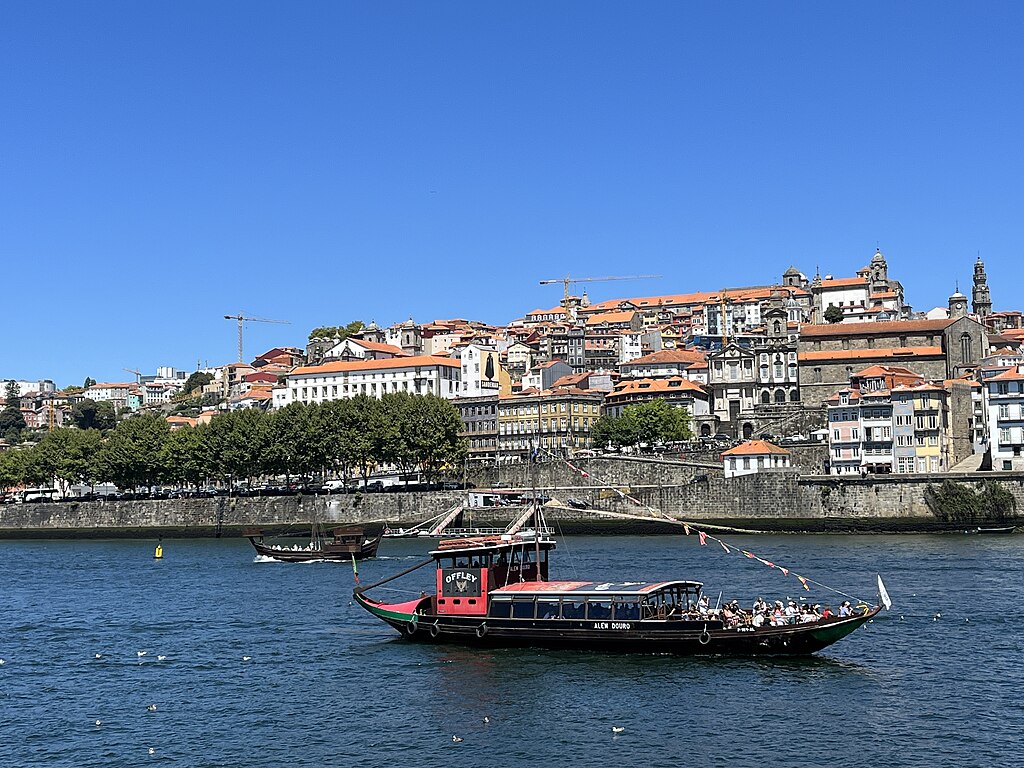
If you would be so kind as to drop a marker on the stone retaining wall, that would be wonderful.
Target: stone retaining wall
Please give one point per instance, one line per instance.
(775, 500)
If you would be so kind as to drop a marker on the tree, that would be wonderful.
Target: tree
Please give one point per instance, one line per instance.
(88, 414)
(12, 469)
(197, 380)
(833, 314)
(89, 382)
(12, 422)
(68, 456)
(133, 454)
(186, 457)
(654, 421)
(431, 434)
(12, 395)
(340, 332)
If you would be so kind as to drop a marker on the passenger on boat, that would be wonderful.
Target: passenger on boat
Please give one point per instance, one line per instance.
(827, 613)
(845, 609)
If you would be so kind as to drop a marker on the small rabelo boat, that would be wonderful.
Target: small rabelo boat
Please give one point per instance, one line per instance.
(340, 544)
(494, 591)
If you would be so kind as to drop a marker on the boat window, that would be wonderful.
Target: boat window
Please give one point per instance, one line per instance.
(547, 609)
(627, 610)
(573, 609)
(599, 609)
(522, 608)
(501, 609)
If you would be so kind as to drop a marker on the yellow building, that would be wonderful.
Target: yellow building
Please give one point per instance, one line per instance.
(556, 420)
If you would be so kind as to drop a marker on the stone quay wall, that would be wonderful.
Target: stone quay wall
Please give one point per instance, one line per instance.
(775, 500)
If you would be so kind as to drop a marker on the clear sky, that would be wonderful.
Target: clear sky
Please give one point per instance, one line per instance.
(165, 163)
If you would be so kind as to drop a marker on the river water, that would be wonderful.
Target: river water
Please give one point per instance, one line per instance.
(267, 664)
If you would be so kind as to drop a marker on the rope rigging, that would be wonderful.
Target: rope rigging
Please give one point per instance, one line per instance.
(700, 530)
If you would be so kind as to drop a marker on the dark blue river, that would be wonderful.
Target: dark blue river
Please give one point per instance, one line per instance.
(266, 664)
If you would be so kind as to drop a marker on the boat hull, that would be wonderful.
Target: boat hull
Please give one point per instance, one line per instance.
(329, 553)
(685, 638)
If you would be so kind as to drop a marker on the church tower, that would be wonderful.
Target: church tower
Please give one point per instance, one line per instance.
(879, 271)
(980, 294)
(957, 305)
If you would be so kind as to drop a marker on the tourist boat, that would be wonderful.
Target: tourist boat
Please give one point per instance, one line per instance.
(341, 544)
(494, 591)
(998, 530)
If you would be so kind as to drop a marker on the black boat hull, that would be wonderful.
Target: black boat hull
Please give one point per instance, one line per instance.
(685, 638)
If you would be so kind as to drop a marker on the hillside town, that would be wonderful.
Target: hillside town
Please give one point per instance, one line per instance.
(842, 362)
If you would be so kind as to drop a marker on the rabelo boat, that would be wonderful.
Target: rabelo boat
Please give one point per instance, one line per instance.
(494, 591)
(341, 544)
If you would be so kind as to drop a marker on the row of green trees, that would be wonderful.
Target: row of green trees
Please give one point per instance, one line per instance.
(651, 422)
(347, 437)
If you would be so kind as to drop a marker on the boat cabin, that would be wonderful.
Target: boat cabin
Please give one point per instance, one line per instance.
(506, 577)
(601, 601)
(470, 569)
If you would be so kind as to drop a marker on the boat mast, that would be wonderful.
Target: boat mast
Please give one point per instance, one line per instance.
(536, 508)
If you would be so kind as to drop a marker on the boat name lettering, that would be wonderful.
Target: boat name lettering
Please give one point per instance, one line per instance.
(612, 625)
(472, 578)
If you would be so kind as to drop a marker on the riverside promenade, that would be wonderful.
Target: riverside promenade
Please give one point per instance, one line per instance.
(770, 501)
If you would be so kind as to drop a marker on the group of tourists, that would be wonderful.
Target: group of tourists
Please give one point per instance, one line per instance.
(768, 614)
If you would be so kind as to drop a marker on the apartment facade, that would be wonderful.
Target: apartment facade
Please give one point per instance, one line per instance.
(558, 420)
(420, 375)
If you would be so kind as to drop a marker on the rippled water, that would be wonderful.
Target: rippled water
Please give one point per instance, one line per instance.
(327, 684)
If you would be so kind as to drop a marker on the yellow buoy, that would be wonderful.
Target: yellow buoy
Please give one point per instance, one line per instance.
(159, 553)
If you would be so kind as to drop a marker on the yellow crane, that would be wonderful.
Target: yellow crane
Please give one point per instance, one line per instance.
(569, 280)
(243, 319)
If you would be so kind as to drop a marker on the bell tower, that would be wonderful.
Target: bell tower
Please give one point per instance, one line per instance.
(980, 294)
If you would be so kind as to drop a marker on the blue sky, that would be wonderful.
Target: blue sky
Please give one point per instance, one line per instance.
(163, 164)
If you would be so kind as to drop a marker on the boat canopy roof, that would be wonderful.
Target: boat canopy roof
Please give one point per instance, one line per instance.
(478, 544)
(591, 588)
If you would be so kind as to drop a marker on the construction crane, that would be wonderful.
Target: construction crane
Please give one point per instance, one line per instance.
(569, 280)
(243, 319)
(138, 374)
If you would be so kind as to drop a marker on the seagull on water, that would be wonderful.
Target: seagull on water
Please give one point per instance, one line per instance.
(140, 654)
(152, 751)
(161, 658)
(151, 708)
(457, 739)
(99, 723)
(2, 662)
(247, 658)
(486, 719)
(617, 729)
(98, 656)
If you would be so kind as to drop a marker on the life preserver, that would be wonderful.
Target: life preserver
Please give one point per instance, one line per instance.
(410, 627)
(435, 629)
(481, 630)
(704, 637)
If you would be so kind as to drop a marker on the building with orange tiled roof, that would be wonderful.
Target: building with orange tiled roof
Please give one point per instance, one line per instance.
(420, 375)
(869, 295)
(1004, 407)
(754, 456)
(688, 363)
(935, 349)
(892, 420)
(675, 390)
(553, 420)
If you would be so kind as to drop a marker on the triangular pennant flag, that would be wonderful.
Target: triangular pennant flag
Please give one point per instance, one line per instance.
(748, 554)
(725, 547)
(585, 474)
(785, 571)
(804, 582)
(686, 528)
(703, 538)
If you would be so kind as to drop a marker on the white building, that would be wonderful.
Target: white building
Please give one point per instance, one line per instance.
(480, 369)
(754, 456)
(1004, 402)
(116, 393)
(691, 364)
(43, 386)
(422, 375)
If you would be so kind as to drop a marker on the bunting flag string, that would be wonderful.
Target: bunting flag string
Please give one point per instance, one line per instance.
(703, 535)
